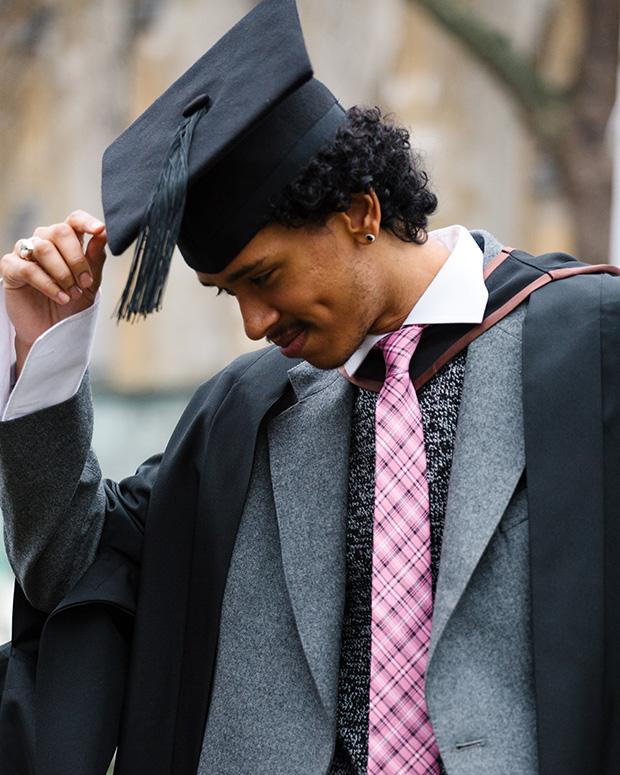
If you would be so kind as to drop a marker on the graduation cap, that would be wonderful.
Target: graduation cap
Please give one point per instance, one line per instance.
(200, 166)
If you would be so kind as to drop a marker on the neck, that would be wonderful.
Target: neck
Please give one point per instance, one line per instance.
(409, 270)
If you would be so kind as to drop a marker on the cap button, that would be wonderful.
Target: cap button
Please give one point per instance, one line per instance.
(201, 101)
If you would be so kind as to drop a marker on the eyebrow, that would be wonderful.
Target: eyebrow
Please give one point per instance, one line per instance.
(242, 272)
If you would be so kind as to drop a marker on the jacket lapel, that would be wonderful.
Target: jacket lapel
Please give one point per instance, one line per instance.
(487, 463)
(308, 449)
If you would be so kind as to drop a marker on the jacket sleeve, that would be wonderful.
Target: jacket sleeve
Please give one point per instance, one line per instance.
(59, 513)
(55, 502)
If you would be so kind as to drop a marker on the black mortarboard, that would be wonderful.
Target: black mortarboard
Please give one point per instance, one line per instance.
(198, 168)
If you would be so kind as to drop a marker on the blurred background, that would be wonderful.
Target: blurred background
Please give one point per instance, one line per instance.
(511, 102)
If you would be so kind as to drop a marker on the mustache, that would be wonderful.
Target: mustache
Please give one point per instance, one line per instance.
(283, 331)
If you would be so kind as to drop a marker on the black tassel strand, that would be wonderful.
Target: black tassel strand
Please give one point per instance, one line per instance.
(150, 265)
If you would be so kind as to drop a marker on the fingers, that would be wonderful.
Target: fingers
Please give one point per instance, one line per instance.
(84, 222)
(17, 272)
(61, 240)
(60, 258)
(60, 267)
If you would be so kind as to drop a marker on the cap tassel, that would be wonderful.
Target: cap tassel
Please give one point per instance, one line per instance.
(150, 265)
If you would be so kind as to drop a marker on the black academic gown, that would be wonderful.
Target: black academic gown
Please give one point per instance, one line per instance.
(130, 655)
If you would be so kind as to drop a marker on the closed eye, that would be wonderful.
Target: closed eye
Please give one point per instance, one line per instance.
(261, 279)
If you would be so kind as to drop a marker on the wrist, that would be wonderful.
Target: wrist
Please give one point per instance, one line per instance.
(21, 353)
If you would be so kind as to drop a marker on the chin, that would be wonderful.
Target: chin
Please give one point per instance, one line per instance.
(327, 360)
(333, 357)
(324, 365)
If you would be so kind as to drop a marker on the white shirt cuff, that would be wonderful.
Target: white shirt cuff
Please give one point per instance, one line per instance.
(54, 368)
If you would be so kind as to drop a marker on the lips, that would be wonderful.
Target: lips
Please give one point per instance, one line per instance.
(285, 338)
(291, 342)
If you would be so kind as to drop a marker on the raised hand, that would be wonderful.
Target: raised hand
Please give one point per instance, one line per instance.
(59, 279)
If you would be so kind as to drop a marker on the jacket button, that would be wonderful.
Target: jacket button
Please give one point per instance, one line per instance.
(470, 744)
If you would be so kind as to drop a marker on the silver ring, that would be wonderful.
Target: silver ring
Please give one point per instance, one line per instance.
(26, 249)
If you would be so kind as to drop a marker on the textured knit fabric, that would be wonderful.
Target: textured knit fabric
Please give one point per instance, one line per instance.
(400, 733)
(351, 753)
(439, 402)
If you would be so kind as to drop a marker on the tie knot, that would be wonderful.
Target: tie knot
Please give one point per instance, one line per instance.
(398, 348)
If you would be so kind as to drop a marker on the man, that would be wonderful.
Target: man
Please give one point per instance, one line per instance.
(259, 598)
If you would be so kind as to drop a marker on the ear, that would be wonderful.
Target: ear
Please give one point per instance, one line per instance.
(364, 215)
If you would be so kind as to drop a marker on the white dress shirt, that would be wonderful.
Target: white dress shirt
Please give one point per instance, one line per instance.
(58, 359)
(54, 367)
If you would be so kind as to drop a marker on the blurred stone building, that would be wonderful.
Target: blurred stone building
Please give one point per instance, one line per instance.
(75, 73)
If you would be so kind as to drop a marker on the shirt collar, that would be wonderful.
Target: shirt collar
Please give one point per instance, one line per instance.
(457, 293)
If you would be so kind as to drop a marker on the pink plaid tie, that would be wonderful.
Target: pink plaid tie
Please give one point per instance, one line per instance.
(400, 735)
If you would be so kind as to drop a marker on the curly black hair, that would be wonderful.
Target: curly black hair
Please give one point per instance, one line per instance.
(368, 152)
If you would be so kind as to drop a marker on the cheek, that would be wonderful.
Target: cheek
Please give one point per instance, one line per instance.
(325, 300)
(298, 301)
(288, 302)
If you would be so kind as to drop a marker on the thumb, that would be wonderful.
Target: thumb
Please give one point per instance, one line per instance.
(96, 255)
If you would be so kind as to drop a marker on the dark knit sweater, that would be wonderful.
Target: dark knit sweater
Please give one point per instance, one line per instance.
(439, 403)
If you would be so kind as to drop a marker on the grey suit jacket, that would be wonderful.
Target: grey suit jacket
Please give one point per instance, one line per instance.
(273, 707)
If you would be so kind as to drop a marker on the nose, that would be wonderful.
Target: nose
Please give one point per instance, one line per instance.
(258, 317)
